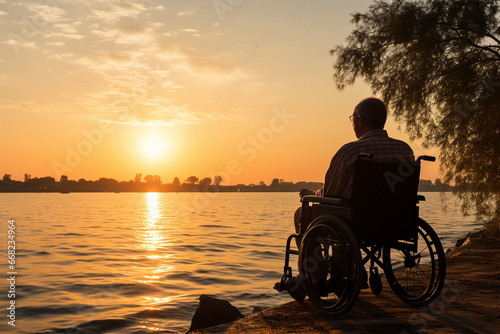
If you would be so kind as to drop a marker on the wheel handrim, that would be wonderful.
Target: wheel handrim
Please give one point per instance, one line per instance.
(417, 277)
(328, 258)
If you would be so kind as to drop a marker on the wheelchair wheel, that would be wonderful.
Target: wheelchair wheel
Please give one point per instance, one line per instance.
(417, 277)
(330, 265)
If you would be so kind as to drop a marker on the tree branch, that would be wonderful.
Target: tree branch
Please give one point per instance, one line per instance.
(490, 35)
(467, 40)
(481, 47)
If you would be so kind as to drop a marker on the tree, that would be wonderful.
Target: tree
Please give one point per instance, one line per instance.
(436, 64)
(107, 183)
(217, 180)
(192, 180)
(149, 178)
(7, 178)
(27, 177)
(275, 183)
(205, 182)
(438, 183)
(138, 177)
(176, 183)
(424, 184)
(47, 180)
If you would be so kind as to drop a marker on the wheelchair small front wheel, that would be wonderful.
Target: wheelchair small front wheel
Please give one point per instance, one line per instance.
(330, 265)
(417, 277)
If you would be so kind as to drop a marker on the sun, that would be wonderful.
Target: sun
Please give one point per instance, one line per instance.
(154, 147)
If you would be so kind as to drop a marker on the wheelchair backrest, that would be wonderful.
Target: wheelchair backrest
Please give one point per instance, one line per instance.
(383, 200)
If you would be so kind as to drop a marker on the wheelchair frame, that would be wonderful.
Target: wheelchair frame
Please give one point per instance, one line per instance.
(330, 216)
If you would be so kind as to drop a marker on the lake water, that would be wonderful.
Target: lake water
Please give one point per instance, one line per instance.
(137, 262)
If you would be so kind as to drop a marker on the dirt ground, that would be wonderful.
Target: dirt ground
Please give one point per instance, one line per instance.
(469, 302)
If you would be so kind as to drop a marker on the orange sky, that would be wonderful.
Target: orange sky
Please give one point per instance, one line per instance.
(243, 89)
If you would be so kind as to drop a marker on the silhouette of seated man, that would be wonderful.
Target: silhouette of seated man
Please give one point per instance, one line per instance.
(368, 120)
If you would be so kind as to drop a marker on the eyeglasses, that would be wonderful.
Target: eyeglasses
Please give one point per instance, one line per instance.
(351, 118)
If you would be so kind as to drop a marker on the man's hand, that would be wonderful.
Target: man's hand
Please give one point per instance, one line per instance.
(303, 192)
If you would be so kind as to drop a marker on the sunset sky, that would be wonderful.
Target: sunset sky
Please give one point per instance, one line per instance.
(242, 89)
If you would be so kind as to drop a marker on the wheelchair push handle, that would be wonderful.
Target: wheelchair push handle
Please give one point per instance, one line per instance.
(426, 158)
(363, 155)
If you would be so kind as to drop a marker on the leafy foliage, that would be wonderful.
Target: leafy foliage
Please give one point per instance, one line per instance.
(436, 64)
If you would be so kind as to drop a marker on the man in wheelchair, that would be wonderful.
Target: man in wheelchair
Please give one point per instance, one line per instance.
(368, 120)
(368, 202)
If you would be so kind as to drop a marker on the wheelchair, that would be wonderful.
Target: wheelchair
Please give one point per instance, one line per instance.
(381, 220)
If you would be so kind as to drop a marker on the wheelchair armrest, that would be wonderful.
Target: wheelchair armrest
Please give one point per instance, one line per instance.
(420, 198)
(326, 200)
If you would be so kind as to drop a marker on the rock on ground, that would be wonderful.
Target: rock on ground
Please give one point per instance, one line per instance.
(212, 312)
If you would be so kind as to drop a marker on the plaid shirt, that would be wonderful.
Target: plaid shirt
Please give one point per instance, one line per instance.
(338, 179)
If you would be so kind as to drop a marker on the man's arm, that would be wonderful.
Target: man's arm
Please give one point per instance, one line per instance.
(335, 178)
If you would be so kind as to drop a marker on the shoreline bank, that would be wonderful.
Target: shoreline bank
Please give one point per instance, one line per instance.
(469, 302)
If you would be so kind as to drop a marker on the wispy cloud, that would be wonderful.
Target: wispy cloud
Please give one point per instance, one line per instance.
(116, 10)
(64, 35)
(185, 13)
(45, 13)
(135, 109)
(198, 64)
(55, 43)
(20, 43)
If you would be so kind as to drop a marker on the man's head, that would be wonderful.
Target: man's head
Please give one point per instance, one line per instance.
(369, 114)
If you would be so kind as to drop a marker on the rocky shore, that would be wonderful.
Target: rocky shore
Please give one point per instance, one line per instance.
(469, 302)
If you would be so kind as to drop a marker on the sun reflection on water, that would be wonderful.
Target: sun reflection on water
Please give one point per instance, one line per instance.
(154, 240)
(157, 301)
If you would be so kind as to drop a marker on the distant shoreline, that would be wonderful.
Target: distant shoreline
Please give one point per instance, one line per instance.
(151, 184)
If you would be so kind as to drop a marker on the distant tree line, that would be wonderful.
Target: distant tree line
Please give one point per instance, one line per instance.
(148, 183)
(438, 185)
(153, 183)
